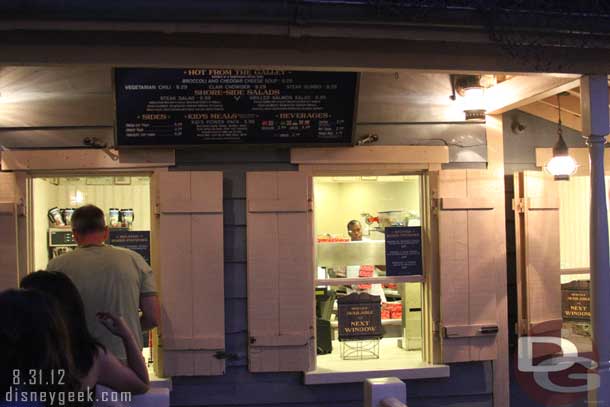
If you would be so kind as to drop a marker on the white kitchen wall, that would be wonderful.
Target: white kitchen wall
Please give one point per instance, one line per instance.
(45, 197)
(78, 191)
(336, 203)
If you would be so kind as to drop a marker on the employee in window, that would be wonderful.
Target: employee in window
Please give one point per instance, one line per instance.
(354, 230)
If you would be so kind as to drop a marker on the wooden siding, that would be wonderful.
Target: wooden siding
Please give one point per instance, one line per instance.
(470, 383)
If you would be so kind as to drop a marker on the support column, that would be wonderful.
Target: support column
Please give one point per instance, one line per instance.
(595, 127)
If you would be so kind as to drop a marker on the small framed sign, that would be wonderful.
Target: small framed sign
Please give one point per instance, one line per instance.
(403, 253)
(359, 317)
(136, 240)
(576, 301)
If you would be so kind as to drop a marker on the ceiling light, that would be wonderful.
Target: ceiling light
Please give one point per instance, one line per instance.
(471, 90)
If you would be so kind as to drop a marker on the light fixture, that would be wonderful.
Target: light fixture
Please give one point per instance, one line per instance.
(470, 88)
(561, 166)
(77, 199)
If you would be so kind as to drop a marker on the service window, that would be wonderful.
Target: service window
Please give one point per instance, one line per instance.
(573, 311)
(125, 200)
(354, 218)
(574, 201)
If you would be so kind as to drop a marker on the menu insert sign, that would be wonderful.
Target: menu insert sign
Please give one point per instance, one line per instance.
(403, 251)
(236, 106)
(136, 240)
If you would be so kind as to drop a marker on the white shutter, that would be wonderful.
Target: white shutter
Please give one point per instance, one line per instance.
(191, 272)
(280, 272)
(468, 264)
(9, 260)
(536, 208)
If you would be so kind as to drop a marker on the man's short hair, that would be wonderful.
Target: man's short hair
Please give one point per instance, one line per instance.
(88, 219)
(352, 223)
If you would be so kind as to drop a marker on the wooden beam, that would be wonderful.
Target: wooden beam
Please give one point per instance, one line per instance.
(569, 104)
(523, 90)
(548, 112)
(370, 155)
(495, 154)
(84, 159)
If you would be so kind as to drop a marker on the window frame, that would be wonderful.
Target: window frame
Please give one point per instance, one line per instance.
(429, 366)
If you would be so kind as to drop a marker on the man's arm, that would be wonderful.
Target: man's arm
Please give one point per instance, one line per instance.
(149, 304)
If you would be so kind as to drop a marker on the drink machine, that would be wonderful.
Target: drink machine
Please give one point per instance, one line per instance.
(61, 241)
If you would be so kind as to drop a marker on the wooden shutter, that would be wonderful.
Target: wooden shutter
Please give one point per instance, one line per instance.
(536, 208)
(280, 272)
(191, 262)
(9, 263)
(468, 264)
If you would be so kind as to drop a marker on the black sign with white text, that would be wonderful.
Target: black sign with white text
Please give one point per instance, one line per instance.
(136, 240)
(233, 106)
(403, 251)
(359, 317)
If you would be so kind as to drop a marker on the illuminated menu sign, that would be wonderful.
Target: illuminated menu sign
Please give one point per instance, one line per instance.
(233, 106)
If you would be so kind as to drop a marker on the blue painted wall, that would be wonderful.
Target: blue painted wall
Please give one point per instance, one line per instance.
(470, 384)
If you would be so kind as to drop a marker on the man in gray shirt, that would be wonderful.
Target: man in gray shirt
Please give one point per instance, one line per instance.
(110, 279)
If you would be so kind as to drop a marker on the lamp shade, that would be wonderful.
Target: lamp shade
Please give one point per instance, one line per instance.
(561, 166)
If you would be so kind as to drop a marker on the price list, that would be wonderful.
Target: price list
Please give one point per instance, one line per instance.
(218, 106)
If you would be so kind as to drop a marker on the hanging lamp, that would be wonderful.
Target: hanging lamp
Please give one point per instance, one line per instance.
(561, 166)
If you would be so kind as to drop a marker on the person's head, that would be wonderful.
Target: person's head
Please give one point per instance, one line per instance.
(89, 226)
(354, 230)
(33, 336)
(59, 287)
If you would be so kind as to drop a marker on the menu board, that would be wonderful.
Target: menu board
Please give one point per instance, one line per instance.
(403, 251)
(136, 240)
(196, 106)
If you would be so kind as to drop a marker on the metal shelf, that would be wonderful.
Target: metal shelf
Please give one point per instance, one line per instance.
(370, 280)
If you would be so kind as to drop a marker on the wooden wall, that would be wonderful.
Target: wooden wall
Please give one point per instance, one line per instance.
(60, 106)
(470, 383)
(520, 147)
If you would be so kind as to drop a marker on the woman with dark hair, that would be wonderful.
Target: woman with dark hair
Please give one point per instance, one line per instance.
(35, 356)
(94, 364)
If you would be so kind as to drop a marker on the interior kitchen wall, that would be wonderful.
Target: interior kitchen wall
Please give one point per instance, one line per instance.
(135, 195)
(336, 203)
(45, 197)
(77, 191)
